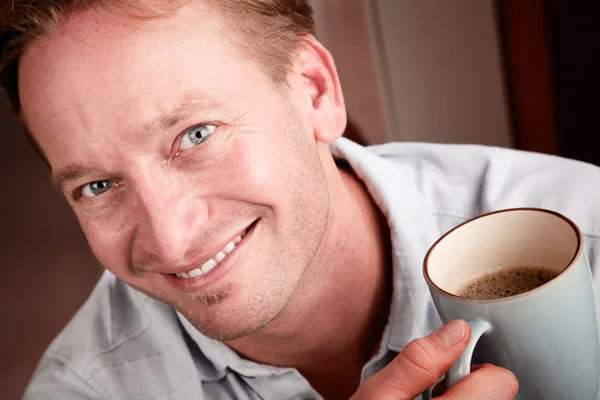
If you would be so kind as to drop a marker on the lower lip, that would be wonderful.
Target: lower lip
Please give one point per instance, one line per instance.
(216, 275)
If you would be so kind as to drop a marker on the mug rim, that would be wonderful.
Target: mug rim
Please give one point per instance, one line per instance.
(569, 265)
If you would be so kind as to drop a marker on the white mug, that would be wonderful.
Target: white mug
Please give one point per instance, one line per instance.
(548, 336)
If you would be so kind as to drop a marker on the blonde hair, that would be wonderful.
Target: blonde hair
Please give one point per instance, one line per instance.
(266, 31)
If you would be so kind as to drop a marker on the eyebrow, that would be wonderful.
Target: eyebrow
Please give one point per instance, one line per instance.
(67, 174)
(191, 105)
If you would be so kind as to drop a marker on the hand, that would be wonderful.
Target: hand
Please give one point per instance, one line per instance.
(423, 361)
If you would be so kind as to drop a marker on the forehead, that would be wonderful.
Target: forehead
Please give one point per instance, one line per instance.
(103, 70)
(98, 45)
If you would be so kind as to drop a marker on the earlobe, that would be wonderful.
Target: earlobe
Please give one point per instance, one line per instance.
(321, 86)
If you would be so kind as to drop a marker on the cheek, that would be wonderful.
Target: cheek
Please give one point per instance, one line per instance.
(285, 174)
(109, 239)
(260, 170)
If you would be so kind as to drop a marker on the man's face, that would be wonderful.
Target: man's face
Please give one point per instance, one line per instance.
(171, 148)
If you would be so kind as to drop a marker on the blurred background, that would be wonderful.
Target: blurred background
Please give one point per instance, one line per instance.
(511, 73)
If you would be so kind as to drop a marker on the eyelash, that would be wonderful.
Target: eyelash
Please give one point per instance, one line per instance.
(180, 137)
(76, 194)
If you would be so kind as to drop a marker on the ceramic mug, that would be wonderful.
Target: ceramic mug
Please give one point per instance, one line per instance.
(547, 336)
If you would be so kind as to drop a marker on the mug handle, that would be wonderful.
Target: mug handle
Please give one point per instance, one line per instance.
(462, 366)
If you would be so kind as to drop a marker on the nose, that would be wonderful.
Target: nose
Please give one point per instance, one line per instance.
(170, 216)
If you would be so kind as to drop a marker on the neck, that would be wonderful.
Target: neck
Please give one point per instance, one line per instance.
(340, 308)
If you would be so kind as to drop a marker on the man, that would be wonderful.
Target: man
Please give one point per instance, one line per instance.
(250, 252)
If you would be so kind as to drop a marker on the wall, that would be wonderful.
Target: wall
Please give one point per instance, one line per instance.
(441, 70)
(419, 70)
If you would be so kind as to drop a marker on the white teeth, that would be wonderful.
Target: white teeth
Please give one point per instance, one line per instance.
(220, 256)
(213, 262)
(229, 248)
(195, 272)
(207, 266)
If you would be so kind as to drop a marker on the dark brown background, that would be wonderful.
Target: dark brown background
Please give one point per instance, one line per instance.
(47, 268)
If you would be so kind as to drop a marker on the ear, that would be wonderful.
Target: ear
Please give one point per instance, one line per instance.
(321, 90)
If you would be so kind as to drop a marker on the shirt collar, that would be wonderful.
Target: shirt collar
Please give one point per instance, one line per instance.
(222, 357)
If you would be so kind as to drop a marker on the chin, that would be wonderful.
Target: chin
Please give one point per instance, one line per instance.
(229, 319)
(227, 329)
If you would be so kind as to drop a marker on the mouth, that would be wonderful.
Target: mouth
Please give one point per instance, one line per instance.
(219, 258)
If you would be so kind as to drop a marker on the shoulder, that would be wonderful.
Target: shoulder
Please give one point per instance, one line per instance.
(463, 181)
(459, 182)
(473, 160)
(112, 316)
(120, 344)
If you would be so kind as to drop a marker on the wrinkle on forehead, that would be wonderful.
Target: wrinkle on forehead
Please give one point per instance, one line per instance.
(100, 28)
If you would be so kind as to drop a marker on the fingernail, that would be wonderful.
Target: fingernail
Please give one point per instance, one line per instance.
(451, 333)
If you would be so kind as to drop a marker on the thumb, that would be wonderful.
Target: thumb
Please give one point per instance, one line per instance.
(420, 364)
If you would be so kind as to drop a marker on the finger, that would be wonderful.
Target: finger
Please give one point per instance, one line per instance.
(487, 382)
(479, 366)
(418, 366)
(441, 387)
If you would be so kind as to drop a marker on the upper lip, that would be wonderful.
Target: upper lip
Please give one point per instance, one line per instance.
(207, 254)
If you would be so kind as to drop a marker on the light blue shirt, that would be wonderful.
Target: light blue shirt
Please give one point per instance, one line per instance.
(124, 345)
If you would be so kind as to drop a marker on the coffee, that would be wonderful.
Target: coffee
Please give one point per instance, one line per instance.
(507, 282)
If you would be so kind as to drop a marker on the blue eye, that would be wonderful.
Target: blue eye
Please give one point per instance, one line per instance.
(93, 189)
(195, 136)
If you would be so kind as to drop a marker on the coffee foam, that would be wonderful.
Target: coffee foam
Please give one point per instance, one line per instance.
(507, 282)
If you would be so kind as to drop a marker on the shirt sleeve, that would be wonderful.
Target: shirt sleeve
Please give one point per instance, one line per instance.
(54, 380)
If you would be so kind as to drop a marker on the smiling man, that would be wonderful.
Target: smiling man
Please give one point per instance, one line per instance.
(250, 252)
